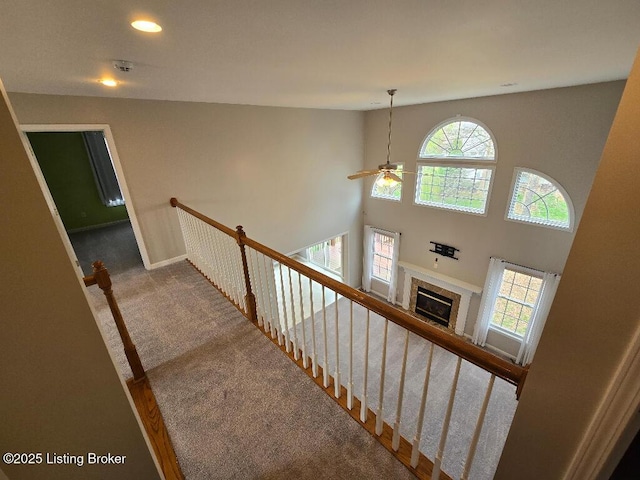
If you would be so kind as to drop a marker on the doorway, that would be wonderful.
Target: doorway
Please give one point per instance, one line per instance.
(81, 177)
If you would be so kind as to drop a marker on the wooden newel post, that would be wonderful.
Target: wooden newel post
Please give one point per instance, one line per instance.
(102, 278)
(250, 299)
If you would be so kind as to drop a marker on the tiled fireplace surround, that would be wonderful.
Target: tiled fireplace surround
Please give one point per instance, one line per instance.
(460, 292)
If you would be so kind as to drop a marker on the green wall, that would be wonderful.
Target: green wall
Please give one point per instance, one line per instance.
(65, 164)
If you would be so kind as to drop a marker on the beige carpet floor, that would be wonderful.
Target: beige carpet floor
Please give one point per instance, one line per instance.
(234, 404)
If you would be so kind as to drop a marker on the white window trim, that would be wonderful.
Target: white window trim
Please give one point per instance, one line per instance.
(454, 164)
(345, 256)
(460, 118)
(525, 271)
(528, 342)
(367, 270)
(567, 198)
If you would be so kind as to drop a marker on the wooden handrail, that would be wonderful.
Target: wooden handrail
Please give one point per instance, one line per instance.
(505, 369)
(101, 277)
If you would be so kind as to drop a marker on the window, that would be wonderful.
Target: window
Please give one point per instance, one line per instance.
(538, 199)
(102, 167)
(515, 302)
(380, 262)
(381, 265)
(455, 167)
(327, 254)
(388, 192)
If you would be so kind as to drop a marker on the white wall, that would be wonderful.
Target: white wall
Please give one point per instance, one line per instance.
(279, 172)
(59, 388)
(593, 318)
(560, 132)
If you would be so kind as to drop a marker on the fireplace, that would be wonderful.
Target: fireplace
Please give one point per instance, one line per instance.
(456, 293)
(433, 306)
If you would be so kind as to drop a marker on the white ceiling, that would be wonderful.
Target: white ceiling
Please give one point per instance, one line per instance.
(315, 53)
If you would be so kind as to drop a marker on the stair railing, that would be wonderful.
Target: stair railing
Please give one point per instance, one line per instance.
(269, 289)
(101, 277)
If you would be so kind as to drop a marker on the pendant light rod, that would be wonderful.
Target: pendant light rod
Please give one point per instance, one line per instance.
(391, 93)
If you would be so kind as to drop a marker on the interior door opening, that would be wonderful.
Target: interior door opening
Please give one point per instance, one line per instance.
(79, 175)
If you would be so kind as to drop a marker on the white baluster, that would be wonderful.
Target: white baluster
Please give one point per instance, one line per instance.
(202, 231)
(192, 246)
(476, 433)
(363, 404)
(222, 281)
(296, 352)
(226, 271)
(212, 254)
(273, 299)
(201, 258)
(379, 420)
(350, 382)
(325, 367)
(336, 378)
(219, 259)
(198, 246)
(395, 443)
(305, 360)
(230, 281)
(314, 353)
(238, 271)
(445, 425)
(263, 291)
(287, 344)
(184, 223)
(254, 284)
(415, 450)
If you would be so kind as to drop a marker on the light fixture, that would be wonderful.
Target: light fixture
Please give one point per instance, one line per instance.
(109, 82)
(146, 26)
(386, 180)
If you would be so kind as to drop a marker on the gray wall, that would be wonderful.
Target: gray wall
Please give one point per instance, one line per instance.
(60, 390)
(559, 132)
(594, 316)
(279, 172)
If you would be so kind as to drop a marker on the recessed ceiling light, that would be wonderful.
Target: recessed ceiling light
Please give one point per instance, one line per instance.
(510, 84)
(109, 82)
(146, 26)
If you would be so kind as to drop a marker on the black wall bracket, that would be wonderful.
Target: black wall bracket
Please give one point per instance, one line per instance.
(444, 250)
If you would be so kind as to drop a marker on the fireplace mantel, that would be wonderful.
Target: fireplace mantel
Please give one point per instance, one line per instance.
(464, 289)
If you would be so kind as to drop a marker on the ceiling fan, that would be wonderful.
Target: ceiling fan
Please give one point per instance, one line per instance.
(389, 178)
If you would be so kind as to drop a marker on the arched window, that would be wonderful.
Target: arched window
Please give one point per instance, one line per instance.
(455, 167)
(538, 199)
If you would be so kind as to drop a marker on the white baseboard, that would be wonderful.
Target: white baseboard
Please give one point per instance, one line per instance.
(169, 261)
(96, 227)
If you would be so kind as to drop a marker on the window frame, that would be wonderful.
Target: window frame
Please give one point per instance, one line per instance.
(456, 163)
(389, 258)
(525, 271)
(560, 188)
(326, 266)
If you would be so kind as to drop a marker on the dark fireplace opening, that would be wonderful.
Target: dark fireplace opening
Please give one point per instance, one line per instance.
(433, 306)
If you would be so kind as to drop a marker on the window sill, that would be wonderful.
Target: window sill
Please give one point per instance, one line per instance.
(506, 333)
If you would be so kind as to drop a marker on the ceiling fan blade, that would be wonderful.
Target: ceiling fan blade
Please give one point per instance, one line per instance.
(394, 176)
(363, 173)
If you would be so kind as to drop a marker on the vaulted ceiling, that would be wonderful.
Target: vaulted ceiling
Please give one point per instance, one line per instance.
(315, 53)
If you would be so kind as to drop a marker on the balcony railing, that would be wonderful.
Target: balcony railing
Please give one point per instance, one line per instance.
(320, 322)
